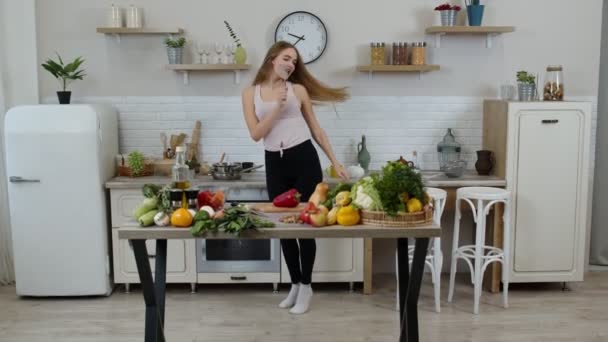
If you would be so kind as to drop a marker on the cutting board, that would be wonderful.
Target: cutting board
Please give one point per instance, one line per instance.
(270, 208)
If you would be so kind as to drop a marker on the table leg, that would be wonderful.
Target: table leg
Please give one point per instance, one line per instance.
(409, 286)
(154, 299)
(367, 265)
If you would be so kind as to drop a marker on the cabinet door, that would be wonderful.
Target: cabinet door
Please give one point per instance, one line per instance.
(337, 260)
(547, 169)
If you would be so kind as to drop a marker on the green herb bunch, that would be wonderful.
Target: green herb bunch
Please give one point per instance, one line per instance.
(396, 180)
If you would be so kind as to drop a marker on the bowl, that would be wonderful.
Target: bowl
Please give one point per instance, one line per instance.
(455, 169)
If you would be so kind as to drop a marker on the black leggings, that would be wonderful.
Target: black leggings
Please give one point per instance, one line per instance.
(298, 168)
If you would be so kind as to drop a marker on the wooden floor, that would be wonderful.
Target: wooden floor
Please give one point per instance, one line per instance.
(541, 312)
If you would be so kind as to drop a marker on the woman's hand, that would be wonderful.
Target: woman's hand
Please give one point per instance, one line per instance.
(341, 172)
(279, 93)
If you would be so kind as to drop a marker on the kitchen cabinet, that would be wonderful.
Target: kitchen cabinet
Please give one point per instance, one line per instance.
(543, 151)
(337, 260)
(181, 254)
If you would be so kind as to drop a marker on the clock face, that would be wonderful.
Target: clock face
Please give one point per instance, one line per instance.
(306, 32)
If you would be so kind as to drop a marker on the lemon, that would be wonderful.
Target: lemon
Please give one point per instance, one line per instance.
(414, 205)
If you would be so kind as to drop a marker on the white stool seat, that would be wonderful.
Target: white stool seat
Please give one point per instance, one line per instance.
(434, 257)
(483, 193)
(479, 255)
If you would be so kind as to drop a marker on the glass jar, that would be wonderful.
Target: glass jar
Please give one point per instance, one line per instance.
(554, 84)
(418, 54)
(395, 54)
(372, 53)
(403, 54)
(448, 150)
(382, 54)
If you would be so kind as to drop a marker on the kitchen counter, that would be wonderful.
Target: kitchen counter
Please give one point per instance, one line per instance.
(257, 180)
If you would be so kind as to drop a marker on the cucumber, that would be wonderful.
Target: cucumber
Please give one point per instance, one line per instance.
(147, 219)
(147, 205)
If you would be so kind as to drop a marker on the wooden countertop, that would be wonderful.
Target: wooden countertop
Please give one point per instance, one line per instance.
(257, 180)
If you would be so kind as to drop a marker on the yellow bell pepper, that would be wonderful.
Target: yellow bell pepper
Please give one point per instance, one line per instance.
(348, 216)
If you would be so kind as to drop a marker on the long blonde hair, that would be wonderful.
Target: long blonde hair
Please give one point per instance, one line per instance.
(317, 91)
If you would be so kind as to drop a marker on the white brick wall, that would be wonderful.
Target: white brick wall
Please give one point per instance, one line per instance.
(394, 126)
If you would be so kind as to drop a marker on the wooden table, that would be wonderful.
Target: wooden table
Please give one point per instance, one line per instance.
(409, 283)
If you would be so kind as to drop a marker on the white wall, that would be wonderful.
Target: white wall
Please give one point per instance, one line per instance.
(398, 113)
(547, 32)
(18, 85)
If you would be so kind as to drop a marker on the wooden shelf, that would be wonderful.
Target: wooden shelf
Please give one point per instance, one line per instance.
(489, 31)
(398, 68)
(125, 30)
(117, 31)
(187, 68)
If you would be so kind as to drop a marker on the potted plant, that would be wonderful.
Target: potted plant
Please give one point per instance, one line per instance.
(448, 14)
(175, 49)
(240, 55)
(526, 86)
(474, 12)
(65, 73)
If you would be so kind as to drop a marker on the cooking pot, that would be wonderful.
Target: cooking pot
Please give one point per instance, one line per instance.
(229, 171)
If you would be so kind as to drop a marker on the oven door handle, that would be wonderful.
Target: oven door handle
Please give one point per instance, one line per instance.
(238, 278)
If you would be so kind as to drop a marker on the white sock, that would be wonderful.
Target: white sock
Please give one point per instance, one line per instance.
(303, 300)
(291, 297)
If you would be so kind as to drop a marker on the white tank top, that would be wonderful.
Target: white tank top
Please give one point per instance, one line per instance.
(290, 129)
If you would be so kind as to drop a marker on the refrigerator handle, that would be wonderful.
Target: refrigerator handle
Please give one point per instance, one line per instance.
(15, 179)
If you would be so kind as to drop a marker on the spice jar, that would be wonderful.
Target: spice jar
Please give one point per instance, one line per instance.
(191, 196)
(418, 53)
(403, 53)
(372, 53)
(554, 84)
(176, 196)
(381, 54)
(395, 54)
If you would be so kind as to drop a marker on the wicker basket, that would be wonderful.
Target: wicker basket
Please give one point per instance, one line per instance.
(126, 171)
(402, 220)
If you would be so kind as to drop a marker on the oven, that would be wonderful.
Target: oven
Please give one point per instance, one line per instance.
(239, 261)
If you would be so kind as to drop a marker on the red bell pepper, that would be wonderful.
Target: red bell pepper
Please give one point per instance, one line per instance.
(204, 198)
(288, 199)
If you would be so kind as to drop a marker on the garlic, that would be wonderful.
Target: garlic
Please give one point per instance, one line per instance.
(161, 219)
(209, 210)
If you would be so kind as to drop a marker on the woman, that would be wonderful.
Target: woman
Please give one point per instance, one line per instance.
(278, 109)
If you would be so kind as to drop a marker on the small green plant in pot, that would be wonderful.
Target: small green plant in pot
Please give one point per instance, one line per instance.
(240, 55)
(65, 73)
(175, 49)
(526, 86)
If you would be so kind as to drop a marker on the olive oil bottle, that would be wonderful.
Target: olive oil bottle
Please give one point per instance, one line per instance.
(181, 173)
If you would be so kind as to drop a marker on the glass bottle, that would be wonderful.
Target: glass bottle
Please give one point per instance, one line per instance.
(181, 171)
(448, 150)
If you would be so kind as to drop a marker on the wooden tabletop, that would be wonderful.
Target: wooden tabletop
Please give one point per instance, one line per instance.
(284, 231)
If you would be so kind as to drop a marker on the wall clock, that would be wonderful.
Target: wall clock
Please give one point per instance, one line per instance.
(306, 32)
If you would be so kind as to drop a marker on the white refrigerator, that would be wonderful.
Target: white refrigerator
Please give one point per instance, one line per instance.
(58, 158)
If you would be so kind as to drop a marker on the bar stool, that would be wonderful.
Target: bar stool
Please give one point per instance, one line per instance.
(434, 258)
(481, 254)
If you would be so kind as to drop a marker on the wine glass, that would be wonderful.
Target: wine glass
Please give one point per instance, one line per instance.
(233, 51)
(200, 50)
(219, 50)
(229, 54)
